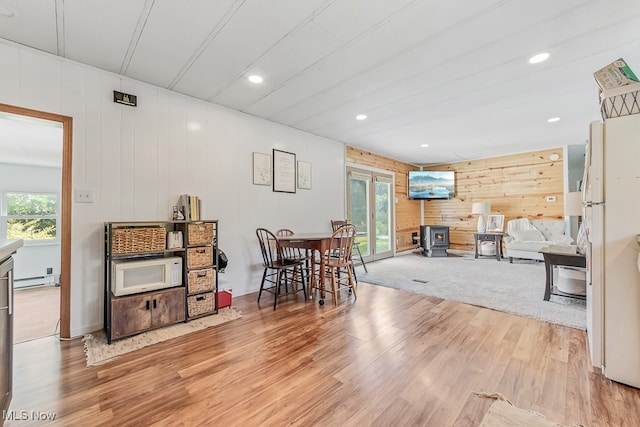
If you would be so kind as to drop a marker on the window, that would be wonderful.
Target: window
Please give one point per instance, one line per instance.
(31, 216)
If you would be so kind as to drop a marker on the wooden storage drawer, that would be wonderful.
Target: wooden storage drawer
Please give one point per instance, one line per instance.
(201, 304)
(201, 280)
(200, 234)
(199, 257)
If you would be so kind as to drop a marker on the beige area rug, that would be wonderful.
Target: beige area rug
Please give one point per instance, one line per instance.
(97, 350)
(502, 413)
(516, 288)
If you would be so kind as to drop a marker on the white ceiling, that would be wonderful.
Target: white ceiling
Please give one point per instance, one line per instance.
(451, 74)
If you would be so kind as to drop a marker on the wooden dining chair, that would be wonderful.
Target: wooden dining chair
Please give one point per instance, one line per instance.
(279, 271)
(337, 223)
(299, 254)
(337, 259)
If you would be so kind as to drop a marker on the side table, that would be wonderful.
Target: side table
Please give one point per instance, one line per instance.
(489, 237)
(557, 257)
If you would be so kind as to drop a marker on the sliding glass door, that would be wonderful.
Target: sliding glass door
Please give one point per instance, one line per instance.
(369, 208)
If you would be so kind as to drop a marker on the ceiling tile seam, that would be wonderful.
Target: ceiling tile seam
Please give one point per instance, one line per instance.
(420, 94)
(222, 23)
(409, 122)
(396, 55)
(59, 11)
(295, 30)
(452, 99)
(598, 29)
(328, 55)
(432, 37)
(137, 33)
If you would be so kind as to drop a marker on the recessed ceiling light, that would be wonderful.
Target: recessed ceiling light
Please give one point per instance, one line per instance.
(554, 119)
(194, 126)
(539, 58)
(256, 78)
(6, 11)
(361, 117)
(424, 145)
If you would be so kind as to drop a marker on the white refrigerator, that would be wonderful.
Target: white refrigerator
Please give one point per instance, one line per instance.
(611, 195)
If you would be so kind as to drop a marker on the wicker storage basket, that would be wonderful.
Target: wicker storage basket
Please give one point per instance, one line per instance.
(199, 257)
(201, 304)
(620, 101)
(201, 280)
(200, 233)
(138, 239)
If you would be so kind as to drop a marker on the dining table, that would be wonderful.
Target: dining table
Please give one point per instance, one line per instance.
(317, 243)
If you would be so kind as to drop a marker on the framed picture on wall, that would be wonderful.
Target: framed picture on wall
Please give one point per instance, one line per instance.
(495, 223)
(284, 171)
(261, 169)
(304, 175)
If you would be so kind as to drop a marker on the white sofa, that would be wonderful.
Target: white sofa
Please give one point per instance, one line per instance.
(526, 237)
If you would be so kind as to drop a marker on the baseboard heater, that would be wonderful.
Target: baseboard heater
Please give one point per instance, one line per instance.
(29, 282)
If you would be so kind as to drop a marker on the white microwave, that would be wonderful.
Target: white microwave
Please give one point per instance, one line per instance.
(135, 276)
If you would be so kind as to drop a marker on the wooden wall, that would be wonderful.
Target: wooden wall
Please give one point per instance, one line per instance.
(407, 211)
(517, 186)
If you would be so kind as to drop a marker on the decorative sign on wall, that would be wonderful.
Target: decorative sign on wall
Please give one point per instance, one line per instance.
(284, 171)
(125, 98)
(261, 169)
(304, 175)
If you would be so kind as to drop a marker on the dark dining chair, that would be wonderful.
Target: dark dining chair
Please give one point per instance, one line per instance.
(338, 258)
(337, 223)
(299, 254)
(279, 271)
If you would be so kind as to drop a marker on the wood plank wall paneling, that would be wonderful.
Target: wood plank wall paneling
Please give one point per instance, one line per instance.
(516, 185)
(407, 211)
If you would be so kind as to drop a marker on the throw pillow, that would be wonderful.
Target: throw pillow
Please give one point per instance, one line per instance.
(561, 239)
(532, 235)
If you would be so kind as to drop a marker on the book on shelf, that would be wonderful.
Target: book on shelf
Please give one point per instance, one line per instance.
(190, 206)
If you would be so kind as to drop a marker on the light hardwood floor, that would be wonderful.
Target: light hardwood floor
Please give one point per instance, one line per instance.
(37, 312)
(390, 358)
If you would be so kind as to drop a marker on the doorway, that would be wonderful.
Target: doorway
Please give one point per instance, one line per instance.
(65, 209)
(370, 199)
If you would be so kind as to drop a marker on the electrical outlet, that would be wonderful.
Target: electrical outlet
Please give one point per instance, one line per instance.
(551, 198)
(83, 196)
(49, 270)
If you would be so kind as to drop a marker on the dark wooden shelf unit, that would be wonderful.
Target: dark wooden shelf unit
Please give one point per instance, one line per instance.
(128, 315)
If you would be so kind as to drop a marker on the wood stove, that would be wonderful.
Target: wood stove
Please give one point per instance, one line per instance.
(434, 240)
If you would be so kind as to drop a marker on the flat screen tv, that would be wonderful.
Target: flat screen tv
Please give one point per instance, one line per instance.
(432, 184)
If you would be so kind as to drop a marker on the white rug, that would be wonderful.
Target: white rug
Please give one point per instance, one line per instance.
(98, 351)
(516, 288)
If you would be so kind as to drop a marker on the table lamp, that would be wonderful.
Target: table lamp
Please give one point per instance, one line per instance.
(573, 204)
(481, 209)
